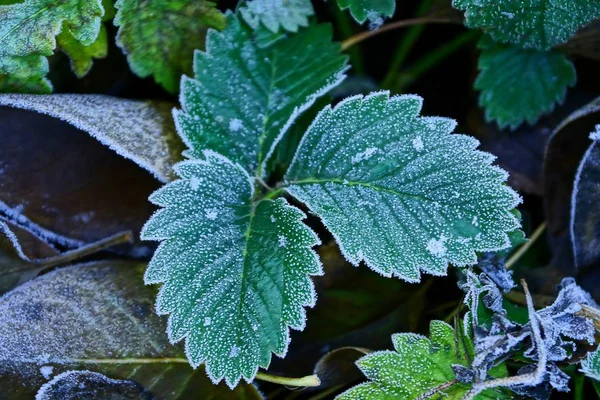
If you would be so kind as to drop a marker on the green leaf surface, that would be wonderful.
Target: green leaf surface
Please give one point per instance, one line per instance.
(590, 366)
(82, 57)
(519, 85)
(273, 14)
(235, 274)
(532, 24)
(419, 368)
(97, 317)
(245, 97)
(399, 191)
(372, 10)
(27, 34)
(159, 36)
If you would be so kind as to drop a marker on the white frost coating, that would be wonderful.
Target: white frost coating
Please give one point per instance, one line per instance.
(588, 158)
(289, 14)
(410, 211)
(141, 131)
(15, 216)
(365, 155)
(235, 125)
(12, 238)
(74, 382)
(70, 296)
(46, 371)
(265, 100)
(235, 351)
(437, 247)
(221, 271)
(418, 144)
(211, 214)
(194, 183)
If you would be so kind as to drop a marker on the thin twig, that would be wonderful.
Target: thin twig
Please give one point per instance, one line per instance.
(351, 41)
(437, 389)
(523, 249)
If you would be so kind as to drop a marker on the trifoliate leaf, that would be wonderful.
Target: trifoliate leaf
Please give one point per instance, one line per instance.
(27, 34)
(399, 191)
(519, 85)
(373, 10)
(245, 97)
(82, 56)
(159, 37)
(591, 365)
(235, 274)
(420, 368)
(535, 24)
(289, 14)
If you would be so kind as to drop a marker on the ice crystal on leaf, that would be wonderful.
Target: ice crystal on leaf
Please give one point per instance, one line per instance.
(535, 24)
(591, 365)
(244, 97)
(231, 288)
(289, 14)
(420, 368)
(403, 209)
(373, 10)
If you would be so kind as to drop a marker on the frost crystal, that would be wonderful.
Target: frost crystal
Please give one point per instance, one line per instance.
(290, 14)
(399, 210)
(46, 371)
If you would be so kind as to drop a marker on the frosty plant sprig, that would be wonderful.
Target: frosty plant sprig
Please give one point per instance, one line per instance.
(398, 191)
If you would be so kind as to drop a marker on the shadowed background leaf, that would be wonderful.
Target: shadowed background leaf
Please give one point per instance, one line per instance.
(97, 317)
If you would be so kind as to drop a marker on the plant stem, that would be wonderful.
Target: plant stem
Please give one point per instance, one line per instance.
(408, 42)
(523, 249)
(351, 41)
(274, 193)
(578, 392)
(432, 59)
(343, 24)
(305, 381)
(119, 238)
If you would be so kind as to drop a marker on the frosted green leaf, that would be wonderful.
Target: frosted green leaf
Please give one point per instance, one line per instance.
(519, 85)
(159, 37)
(245, 97)
(27, 34)
(590, 366)
(399, 191)
(373, 10)
(235, 274)
(419, 368)
(82, 57)
(289, 14)
(534, 24)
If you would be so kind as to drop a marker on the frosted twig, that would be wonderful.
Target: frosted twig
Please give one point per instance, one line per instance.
(530, 379)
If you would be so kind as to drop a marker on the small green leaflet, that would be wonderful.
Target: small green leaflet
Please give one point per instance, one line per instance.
(519, 85)
(373, 10)
(419, 368)
(535, 24)
(27, 34)
(235, 273)
(289, 14)
(82, 56)
(591, 365)
(399, 191)
(245, 97)
(159, 37)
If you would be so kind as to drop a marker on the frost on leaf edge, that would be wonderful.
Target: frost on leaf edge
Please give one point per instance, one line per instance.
(337, 79)
(212, 155)
(361, 258)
